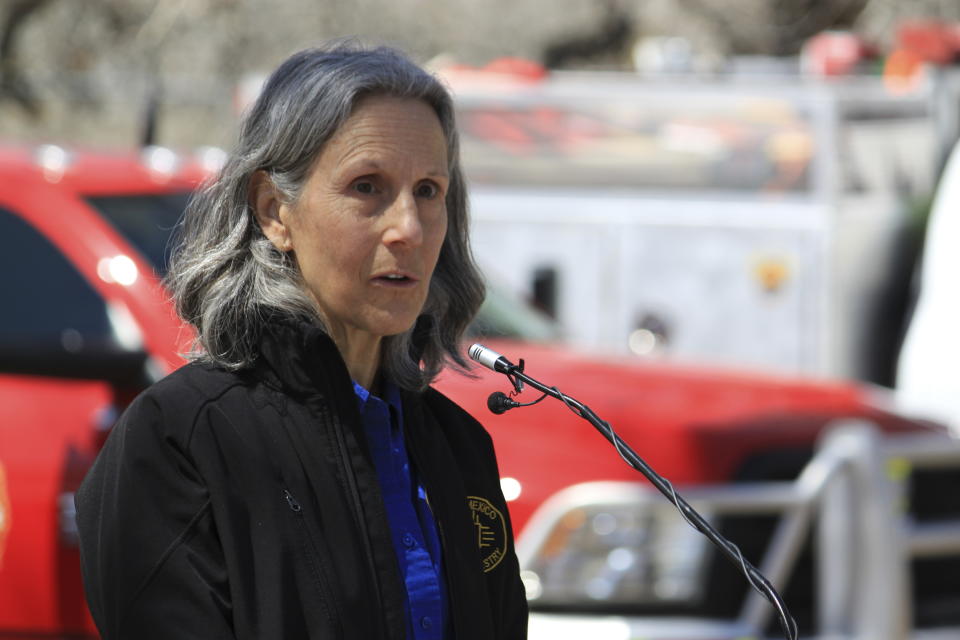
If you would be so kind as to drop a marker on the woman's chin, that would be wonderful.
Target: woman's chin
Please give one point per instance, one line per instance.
(394, 324)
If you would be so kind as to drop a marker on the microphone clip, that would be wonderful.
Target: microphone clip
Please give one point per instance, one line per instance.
(514, 379)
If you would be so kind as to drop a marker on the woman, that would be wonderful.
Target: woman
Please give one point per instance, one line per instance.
(300, 479)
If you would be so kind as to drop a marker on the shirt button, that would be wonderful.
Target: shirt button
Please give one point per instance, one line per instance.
(408, 541)
(426, 622)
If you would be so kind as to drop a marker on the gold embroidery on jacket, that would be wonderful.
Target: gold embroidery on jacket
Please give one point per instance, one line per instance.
(491, 529)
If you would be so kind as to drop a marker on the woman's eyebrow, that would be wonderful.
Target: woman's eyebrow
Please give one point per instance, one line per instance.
(364, 164)
(361, 163)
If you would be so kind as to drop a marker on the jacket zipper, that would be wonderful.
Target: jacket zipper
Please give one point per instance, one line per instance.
(356, 502)
(292, 502)
(327, 601)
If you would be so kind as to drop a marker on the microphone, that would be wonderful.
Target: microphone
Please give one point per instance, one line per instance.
(490, 359)
(498, 402)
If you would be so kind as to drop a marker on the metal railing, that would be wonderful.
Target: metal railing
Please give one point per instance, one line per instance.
(865, 539)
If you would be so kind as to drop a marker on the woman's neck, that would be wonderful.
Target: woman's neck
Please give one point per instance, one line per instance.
(359, 349)
(361, 353)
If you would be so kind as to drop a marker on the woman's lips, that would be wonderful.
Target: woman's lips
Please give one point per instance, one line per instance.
(395, 280)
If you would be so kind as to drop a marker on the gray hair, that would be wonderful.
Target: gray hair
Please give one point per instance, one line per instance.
(228, 280)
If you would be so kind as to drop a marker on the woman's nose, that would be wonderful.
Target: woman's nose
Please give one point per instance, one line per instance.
(403, 224)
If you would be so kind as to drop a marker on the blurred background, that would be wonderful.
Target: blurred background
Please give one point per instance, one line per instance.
(85, 71)
(729, 224)
(815, 130)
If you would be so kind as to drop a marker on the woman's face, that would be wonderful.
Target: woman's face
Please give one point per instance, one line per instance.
(367, 229)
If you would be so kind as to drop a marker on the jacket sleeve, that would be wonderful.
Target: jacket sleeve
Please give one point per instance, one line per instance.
(151, 558)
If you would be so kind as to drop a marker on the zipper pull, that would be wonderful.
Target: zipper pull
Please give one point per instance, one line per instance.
(292, 502)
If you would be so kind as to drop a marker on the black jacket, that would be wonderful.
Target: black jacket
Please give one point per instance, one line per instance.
(246, 505)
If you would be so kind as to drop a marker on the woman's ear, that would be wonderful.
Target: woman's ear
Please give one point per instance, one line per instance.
(267, 207)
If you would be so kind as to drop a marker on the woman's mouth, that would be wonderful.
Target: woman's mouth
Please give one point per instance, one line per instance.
(401, 280)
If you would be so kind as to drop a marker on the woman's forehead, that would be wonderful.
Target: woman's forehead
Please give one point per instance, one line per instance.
(384, 126)
(389, 107)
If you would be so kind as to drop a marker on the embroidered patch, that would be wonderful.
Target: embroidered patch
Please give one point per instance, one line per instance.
(491, 529)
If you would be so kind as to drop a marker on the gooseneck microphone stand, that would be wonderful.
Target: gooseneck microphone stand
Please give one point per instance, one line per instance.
(499, 402)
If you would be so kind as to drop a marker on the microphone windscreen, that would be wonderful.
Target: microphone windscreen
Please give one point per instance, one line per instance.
(498, 402)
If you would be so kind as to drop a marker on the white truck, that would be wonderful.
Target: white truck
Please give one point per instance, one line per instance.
(928, 373)
(746, 223)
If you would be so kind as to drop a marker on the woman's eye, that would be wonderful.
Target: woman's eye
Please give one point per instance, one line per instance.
(427, 190)
(365, 187)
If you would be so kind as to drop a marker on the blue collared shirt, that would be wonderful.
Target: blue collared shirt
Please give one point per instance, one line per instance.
(412, 525)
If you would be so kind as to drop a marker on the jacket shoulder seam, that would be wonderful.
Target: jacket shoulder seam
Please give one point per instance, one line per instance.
(181, 380)
(203, 405)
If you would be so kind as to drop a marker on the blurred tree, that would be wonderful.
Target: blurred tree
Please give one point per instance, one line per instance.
(774, 27)
(14, 83)
(84, 70)
(609, 41)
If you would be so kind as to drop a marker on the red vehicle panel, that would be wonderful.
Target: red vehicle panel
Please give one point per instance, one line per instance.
(46, 423)
(692, 425)
(52, 426)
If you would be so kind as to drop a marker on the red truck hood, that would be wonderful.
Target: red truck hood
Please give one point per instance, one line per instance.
(693, 425)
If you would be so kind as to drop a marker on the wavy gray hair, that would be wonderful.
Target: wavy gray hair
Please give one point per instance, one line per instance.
(227, 278)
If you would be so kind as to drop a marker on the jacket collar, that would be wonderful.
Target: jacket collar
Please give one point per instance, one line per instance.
(301, 356)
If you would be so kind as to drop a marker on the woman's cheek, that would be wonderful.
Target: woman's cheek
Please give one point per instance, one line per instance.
(440, 225)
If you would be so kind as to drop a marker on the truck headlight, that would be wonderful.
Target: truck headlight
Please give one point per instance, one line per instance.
(613, 544)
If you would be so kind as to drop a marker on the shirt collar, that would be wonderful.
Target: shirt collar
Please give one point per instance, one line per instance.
(390, 394)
